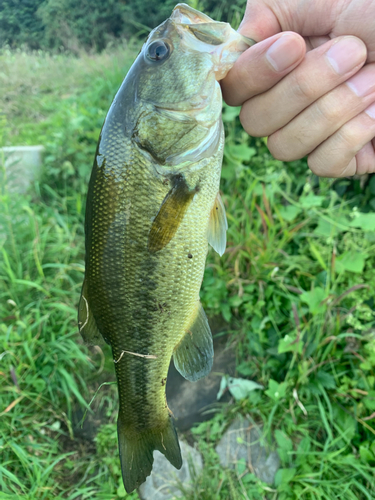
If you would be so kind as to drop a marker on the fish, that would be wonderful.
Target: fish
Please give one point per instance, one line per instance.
(153, 207)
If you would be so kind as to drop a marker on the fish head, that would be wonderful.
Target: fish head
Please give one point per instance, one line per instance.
(178, 96)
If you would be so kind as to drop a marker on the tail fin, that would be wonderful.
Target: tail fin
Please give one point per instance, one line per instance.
(136, 452)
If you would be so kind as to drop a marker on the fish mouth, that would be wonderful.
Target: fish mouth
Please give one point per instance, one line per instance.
(205, 28)
(201, 33)
(184, 14)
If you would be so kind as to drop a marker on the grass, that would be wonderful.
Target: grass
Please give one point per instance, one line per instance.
(295, 284)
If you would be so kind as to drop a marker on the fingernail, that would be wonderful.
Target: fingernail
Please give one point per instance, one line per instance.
(284, 52)
(371, 111)
(362, 83)
(346, 54)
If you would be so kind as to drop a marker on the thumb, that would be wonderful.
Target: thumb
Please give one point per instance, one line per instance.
(260, 21)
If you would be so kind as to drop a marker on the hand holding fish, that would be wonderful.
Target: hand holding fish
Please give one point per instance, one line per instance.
(322, 104)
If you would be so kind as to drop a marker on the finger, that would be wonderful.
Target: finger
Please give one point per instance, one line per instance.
(313, 42)
(324, 117)
(322, 69)
(336, 156)
(262, 66)
(259, 22)
(264, 18)
(365, 159)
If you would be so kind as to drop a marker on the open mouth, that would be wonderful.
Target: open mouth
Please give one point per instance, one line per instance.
(201, 33)
(184, 14)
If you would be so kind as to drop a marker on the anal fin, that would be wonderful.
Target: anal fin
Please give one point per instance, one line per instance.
(193, 356)
(86, 321)
(217, 226)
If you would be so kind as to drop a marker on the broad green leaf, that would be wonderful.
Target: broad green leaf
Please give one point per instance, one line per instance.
(241, 466)
(366, 455)
(226, 312)
(284, 476)
(39, 384)
(230, 113)
(290, 344)
(275, 390)
(325, 228)
(235, 301)
(228, 172)
(366, 222)
(369, 403)
(351, 261)
(311, 200)
(289, 212)
(303, 448)
(240, 388)
(283, 440)
(326, 379)
(330, 228)
(223, 386)
(121, 493)
(314, 300)
(285, 446)
(241, 152)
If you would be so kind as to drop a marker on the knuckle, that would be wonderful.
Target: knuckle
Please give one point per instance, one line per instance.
(315, 166)
(328, 111)
(323, 164)
(366, 159)
(289, 145)
(347, 137)
(304, 90)
(279, 148)
(249, 123)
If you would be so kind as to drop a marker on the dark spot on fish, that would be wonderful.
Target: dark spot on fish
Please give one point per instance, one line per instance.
(165, 182)
(163, 381)
(160, 307)
(190, 256)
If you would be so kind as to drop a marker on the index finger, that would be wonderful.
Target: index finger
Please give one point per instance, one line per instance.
(261, 66)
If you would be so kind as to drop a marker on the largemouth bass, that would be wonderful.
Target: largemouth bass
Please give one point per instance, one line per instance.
(153, 206)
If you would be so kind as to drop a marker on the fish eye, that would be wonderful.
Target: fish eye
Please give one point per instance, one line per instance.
(158, 51)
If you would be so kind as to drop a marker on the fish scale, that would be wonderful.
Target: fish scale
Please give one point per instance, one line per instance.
(178, 277)
(153, 206)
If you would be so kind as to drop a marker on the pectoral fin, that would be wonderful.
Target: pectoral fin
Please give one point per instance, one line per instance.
(86, 321)
(193, 356)
(170, 215)
(217, 226)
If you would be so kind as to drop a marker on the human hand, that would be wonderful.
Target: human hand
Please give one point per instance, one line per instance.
(322, 104)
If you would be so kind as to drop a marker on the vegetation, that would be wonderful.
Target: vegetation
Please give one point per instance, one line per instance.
(70, 26)
(295, 284)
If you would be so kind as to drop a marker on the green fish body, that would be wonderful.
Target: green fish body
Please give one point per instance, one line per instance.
(153, 206)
